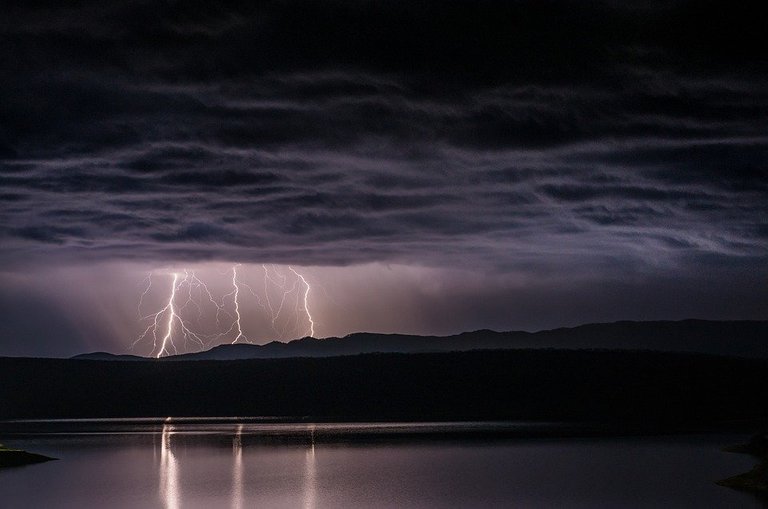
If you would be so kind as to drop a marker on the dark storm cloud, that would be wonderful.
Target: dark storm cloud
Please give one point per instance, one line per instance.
(49, 234)
(503, 134)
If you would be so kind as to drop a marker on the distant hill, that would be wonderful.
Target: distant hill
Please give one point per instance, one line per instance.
(105, 356)
(734, 338)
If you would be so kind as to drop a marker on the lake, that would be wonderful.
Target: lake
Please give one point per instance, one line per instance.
(244, 463)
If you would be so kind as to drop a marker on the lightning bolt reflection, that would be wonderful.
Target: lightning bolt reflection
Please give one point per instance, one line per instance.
(169, 470)
(237, 469)
(310, 474)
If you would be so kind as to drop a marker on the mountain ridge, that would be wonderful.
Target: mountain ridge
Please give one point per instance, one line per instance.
(740, 338)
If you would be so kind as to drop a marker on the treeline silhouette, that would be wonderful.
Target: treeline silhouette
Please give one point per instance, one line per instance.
(561, 385)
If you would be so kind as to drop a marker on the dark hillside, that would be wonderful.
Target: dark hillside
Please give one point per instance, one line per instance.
(504, 384)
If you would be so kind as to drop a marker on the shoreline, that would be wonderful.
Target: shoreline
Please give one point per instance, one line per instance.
(266, 430)
(754, 481)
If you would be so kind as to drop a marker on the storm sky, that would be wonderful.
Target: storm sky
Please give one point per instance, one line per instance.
(433, 167)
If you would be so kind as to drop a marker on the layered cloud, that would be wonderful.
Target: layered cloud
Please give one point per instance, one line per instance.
(272, 170)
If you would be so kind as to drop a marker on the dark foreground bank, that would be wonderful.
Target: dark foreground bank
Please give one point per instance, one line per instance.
(549, 385)
(17, 458)
(754, 481)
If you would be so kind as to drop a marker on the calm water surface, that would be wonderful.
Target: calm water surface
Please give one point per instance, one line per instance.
(231, 464)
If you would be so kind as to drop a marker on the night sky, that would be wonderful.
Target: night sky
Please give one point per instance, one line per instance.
(429, 167)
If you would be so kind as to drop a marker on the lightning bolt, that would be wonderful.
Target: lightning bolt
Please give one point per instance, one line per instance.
(306, 303)
(171, 316)
(157, 316)
(281, 285)
(164, 345)
(237, 285)
(196, 285)
(237, 307)
(169, 325)
(148, 279)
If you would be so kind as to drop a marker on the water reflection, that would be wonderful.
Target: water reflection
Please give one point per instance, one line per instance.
(169, 470)
(310, 473)
(219, 465)
(237, 468)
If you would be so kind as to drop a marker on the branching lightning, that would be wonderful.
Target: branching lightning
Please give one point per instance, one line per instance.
(237, 307)
(284, 291)
(171, 317)
(275, 280)
(165, 345)
(190, 303)
(306, 304)
(148, 279)
(235, 293)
